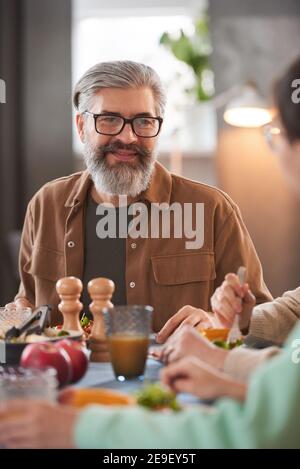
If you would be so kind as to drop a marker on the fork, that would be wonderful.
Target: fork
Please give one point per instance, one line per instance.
(235, 332)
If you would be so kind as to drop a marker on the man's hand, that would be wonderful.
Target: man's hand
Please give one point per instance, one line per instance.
(20, 303)
(193, 376)
(36, 424)
(188, 315)
(187, 341)
(232, 298)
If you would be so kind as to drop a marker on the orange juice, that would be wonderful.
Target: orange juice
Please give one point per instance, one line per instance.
(128, 354)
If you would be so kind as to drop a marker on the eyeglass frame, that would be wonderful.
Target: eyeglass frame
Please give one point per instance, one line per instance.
(125, 121)
(266, 129)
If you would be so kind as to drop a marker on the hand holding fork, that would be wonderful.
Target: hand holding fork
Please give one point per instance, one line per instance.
(235, 332)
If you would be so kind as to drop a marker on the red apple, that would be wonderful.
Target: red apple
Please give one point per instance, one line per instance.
(44, 355)
(78, 355)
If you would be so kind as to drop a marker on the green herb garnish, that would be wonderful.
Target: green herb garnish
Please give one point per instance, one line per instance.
(84, 321)
(156, 397)
(226, 345)
(62, 333)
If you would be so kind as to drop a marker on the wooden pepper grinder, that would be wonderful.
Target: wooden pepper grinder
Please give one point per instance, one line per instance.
(101, 291)
(69, 290)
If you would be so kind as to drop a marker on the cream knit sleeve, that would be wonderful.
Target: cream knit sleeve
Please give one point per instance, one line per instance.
(242, 361)
(271, 321)
(274, 321)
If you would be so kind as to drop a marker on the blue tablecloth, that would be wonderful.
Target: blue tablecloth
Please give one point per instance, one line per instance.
(102, 375)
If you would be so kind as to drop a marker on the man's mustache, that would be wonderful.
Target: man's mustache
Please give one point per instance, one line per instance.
(114, 147)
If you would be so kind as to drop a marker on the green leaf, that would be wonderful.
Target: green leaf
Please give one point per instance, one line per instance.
(194, 51)
(84, 321)
(62, 333)
(154, 396)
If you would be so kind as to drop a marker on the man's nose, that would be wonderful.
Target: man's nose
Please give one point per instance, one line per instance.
(127, 135)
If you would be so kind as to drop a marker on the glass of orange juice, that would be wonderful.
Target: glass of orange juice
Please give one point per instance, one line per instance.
(128, 331)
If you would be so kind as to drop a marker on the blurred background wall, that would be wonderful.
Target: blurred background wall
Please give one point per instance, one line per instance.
(255, 41)
(35, 122)
(251, 40)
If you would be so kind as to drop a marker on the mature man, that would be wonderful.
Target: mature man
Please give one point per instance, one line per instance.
(120, 112)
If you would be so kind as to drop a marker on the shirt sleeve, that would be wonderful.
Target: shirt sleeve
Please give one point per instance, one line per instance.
(273, 321)
(241, 362)
(269, 417)
(234, 248)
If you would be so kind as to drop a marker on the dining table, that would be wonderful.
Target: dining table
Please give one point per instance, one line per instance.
(101, 375)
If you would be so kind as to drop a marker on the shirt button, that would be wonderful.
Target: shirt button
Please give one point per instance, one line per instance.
(132, 284)
(133, 245)
(71, 244)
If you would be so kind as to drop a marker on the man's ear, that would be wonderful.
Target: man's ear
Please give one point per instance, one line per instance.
(80, 126)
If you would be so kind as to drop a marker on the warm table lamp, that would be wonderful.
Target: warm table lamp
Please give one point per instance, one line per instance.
(247, 109)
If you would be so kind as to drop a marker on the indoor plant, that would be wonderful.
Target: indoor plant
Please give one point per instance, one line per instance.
(195, 51)
(198, 133)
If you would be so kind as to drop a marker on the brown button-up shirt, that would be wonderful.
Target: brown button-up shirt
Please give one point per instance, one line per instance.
(161, 272)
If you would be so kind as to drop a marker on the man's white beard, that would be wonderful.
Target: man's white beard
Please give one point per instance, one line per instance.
(121, 178)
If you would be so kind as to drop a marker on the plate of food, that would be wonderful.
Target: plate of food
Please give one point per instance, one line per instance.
(83, 397)
(15, 346)
(153, 396)
(16, 335)
(219, 337)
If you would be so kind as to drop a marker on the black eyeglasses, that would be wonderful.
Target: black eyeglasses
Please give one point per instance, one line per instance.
(110, 124)
(273, 134)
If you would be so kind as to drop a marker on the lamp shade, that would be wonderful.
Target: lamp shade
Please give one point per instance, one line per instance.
(247, 109)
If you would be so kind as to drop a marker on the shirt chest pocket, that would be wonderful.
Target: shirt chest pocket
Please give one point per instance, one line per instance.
(180, 269)
(46, 264)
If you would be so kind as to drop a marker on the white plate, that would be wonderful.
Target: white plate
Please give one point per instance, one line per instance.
(34, 338)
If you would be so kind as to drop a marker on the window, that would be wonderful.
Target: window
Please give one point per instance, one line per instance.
(100, 34)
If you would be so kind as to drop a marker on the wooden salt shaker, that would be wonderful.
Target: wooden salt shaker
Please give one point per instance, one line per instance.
(69, 290)
(101, 291)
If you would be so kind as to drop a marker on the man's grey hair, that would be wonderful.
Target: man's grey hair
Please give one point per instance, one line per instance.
(118, 74)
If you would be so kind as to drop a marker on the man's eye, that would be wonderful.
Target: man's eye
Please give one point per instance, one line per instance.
(144, 122)
(109, 119)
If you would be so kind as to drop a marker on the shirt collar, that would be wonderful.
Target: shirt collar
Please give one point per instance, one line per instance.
(79, 190)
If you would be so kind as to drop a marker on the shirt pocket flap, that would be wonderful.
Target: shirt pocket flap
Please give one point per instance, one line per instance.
(178, 269)
(46, 263)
